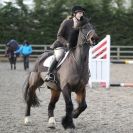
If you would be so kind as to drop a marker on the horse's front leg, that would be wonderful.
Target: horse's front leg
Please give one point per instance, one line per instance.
(67, 120)
(81, 94)
(54, 98)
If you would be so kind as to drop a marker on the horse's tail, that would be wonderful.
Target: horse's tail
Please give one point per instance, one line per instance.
(29, 92)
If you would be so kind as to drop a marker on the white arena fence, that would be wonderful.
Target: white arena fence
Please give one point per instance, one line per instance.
(117, 53)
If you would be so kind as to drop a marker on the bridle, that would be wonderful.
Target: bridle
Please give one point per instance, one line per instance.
(91, 34)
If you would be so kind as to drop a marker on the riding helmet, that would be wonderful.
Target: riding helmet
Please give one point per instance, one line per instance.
(76, 9)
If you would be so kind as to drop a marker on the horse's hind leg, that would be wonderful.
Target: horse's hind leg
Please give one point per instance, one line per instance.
(67, 120)
(81, 94)
(54, 98)
(34, 81)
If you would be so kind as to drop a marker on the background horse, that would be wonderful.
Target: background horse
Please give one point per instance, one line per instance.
(12, 46)
(71, 79)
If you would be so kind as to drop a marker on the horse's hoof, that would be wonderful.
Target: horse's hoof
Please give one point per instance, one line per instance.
(67, 123)
(27, 121)
(51, 123)
(75, 114)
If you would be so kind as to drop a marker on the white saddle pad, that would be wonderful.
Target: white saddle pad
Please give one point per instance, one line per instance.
(48, 61)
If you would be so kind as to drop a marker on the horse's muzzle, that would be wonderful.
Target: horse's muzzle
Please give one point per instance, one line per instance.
(92, 38)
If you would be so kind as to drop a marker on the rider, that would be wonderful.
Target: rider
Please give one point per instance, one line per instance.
(64, 39)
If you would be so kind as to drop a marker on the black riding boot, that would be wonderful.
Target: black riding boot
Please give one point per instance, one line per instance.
(49, 75)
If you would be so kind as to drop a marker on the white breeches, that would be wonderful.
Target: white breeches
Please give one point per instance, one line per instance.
(59, 53)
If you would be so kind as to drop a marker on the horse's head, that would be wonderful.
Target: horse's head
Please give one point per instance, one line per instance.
(87, 34)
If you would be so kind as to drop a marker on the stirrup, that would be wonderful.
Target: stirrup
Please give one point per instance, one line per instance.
(50, 77)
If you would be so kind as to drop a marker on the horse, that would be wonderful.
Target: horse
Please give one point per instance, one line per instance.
(74, 78)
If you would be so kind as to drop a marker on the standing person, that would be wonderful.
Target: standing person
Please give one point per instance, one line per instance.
(65, 38)
(12, 46)
(25, 50)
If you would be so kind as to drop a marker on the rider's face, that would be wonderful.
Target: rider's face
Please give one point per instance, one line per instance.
(78, 15)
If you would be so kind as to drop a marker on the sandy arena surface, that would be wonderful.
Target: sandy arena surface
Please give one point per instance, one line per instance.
(109, 110)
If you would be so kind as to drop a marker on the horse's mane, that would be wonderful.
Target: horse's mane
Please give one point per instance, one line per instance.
(73, 38)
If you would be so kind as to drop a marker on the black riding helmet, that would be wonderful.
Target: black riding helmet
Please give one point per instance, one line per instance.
(76, 9)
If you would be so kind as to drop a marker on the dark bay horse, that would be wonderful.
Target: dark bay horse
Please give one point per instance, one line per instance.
(72, 75)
